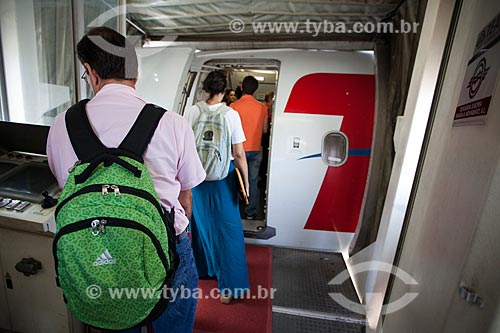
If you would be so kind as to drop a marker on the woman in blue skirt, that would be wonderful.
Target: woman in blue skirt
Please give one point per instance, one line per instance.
(218, 242)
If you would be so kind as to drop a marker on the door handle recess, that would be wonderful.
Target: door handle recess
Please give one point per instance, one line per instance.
(28, 266)
(470, 296)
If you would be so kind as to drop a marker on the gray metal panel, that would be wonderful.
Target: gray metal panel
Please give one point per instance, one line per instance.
(283, 323)
(301, 278)
(212, 18)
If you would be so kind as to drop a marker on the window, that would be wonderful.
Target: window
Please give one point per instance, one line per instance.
(335, 148)
(93, 13)
(37, 47)
(3, 101)
(37, 52)
(101, 13)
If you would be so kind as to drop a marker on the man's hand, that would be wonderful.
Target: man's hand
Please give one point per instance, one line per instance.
(186, 200)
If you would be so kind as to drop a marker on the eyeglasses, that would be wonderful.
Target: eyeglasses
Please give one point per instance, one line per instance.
(85, 76)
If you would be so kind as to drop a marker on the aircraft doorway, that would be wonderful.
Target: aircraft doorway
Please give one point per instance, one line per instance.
(267, 77)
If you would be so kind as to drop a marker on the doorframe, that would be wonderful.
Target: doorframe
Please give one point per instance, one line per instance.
(425, 144)
(372, 287)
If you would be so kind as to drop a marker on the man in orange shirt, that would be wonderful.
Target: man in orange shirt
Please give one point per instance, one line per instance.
(253, 116)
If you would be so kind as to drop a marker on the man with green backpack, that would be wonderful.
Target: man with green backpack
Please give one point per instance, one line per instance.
(122, 253)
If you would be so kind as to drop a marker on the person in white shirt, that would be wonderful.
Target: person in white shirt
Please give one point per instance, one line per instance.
(218, 241)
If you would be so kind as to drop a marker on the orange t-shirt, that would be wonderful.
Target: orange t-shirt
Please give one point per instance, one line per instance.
(252, 114)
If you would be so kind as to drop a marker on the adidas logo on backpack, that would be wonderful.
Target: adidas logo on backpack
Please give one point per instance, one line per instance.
(104, 259)
(109, 202)
(213, 141)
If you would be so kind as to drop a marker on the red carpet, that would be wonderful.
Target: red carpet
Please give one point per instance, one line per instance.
(250, 315)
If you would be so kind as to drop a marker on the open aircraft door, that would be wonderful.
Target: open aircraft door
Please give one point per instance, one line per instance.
(161, 72)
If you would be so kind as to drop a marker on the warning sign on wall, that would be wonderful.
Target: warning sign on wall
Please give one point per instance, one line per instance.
(480, 78)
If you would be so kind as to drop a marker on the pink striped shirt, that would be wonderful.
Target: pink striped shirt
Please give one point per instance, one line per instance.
(171, 155)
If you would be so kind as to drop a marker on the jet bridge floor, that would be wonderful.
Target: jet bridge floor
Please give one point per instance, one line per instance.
(302, 302)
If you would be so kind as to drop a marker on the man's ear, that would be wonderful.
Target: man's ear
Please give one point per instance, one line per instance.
(92, 73)
(87, 67)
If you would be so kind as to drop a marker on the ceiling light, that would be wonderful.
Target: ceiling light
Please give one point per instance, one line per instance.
(264, 71)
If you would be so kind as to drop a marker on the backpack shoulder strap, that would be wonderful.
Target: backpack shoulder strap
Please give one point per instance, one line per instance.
(143, 129)
(203, 106)
(85, 142)
(223, 109)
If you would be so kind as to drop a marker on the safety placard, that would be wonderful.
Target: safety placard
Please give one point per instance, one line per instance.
(480, 81)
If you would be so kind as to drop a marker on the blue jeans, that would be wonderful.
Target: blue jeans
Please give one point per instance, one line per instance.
(254, 158)
(179, 316)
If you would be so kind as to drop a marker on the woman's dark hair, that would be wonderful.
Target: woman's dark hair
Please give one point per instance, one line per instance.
(108, 53)
(226, 96)
(215, 83)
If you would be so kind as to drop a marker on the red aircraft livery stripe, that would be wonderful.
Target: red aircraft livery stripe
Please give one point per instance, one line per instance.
(338, 204)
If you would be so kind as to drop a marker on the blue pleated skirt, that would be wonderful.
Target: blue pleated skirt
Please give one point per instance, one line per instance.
(218, 241)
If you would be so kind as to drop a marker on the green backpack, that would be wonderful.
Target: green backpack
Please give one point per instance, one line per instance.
(213, 141)
(114, 249)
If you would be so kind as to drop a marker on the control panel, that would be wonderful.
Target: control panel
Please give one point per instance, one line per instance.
(27, 226)
(27, 189)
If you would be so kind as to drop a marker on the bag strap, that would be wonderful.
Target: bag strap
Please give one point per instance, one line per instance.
(87, 145)
(83, 139)
(223, 108)
(143, 129)
(203, 106)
